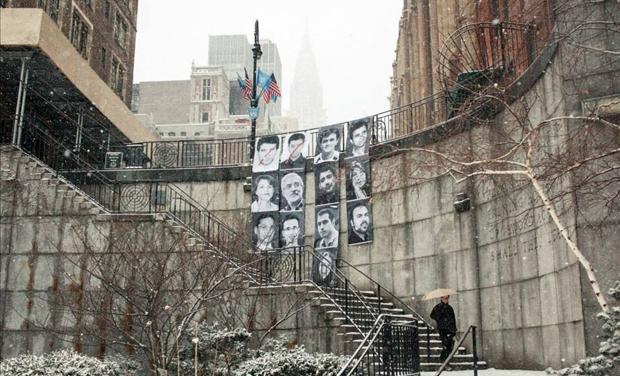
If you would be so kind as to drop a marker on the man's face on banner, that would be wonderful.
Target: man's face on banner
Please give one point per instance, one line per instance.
(266, 153)
(325, 226)
(292, 188)
(265, 230)
(359, 137)
(329, 143)
(327, 181)
(294, 148)
(325, 264)
(290, 231)
(360, 219)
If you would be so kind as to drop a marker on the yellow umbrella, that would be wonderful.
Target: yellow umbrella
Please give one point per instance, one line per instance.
(438, 293)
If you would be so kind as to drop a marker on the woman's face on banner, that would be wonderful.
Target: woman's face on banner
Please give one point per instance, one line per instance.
(358, 177)
(264, 190)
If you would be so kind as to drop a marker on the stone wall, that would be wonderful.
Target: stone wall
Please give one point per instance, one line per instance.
(515, 276)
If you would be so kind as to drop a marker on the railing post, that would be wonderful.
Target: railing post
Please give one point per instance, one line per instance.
(428, 343)
(474, 349)
(18, 121)
(388, 350)
(379, 298)
(346, 297)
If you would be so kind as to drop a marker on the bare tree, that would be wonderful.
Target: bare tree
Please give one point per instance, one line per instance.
(140, 287)
(557, 158)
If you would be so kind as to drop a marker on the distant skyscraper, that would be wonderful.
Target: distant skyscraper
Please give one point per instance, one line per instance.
(234, 52)
(306, 90)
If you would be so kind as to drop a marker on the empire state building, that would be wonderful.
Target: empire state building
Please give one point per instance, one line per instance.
(306, 103)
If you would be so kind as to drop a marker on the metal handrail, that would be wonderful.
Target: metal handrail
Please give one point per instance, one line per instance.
(472, 329)
(379, 287)
(364, 346)
(369, 343)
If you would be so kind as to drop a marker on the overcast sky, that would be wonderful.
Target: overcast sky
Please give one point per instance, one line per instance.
(353, 41)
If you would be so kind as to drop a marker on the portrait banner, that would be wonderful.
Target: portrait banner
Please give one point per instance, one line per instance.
(267, 154)
(294, 151)
(324, 266)
(329, 144)
(326, 183)
(359, 221)
(291, 231)
(357, 137)
(265, 192)
(265, 231)
(327, 226)
(292, 189)
(358, 184)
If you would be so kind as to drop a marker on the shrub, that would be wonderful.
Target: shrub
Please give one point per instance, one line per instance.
(295, 362)
(66, 363)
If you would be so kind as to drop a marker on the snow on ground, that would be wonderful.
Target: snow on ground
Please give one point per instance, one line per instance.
(490, 372)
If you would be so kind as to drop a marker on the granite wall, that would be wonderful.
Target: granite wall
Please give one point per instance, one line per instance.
(515, 276)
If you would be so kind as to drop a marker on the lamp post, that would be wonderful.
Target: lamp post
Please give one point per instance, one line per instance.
(253, 110)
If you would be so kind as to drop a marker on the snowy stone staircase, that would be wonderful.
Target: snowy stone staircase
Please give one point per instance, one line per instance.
(60, 194)
(353, 338)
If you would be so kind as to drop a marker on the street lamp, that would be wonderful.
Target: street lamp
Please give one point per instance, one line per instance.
(253, 110)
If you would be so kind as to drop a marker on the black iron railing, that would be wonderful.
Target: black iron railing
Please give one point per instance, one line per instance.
(300, 265)
(472, 330)
(383, 127)
(164, 198)
(390, 347)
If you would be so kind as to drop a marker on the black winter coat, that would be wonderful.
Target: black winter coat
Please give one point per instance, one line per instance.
(443, 314)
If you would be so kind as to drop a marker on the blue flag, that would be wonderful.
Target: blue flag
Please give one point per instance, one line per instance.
(262, 79)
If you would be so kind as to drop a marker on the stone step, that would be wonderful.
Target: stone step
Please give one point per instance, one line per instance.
(457, 366)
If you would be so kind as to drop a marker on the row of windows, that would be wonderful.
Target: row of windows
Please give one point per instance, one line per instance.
(79, 37)
(182, 134)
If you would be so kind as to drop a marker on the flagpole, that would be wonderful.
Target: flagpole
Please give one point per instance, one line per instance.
(256, 54)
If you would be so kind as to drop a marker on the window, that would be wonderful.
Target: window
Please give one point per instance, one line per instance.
(79, 34)
(51, 7)
(205, 117)
(196, 133)
(120, 30)
(117, 77)
(54, 9)
(106, 9)
(183, 133)
(161, 133)
(104, 54)
(206, 89)
(172, 134)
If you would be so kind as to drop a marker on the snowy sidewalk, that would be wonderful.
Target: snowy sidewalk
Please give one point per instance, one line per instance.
(490, 372)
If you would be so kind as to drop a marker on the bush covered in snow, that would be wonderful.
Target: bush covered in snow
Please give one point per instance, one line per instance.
(219, 350)
(608, 362)
(66, 363)
(224, 351)
(293, 362)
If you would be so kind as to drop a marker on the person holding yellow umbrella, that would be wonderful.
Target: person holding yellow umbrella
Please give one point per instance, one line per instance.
(443, 314)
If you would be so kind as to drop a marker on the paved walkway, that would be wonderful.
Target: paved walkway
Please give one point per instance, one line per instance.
(490, 372)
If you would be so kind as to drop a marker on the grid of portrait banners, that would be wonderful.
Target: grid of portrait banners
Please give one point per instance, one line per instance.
(358, 185)
(278, 181)
(327, 209)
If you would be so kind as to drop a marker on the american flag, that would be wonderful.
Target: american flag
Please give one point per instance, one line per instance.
(272, 91)
(247, 90)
